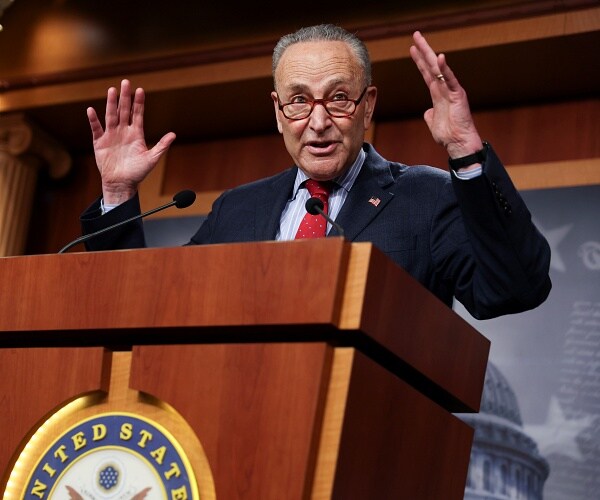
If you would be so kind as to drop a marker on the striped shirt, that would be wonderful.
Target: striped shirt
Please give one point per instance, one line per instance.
(295, 210)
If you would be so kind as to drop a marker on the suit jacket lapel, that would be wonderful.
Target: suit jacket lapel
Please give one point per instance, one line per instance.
(368, 196)
(271, 204)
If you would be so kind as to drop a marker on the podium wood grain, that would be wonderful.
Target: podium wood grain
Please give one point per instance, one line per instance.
(334, 383)
(212, 285)
(34, 382)
(256, 409)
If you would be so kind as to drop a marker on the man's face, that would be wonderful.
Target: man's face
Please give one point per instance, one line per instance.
(324, 147)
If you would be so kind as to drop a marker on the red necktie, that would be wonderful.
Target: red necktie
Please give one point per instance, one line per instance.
(315, 226)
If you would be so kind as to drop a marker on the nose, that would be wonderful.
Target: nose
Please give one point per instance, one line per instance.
(319, 118)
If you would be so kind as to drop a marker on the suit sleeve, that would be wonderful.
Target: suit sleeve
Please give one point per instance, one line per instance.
(507, 269)
(130, 235)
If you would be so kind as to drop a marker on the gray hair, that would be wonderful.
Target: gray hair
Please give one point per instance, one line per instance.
(325, 32)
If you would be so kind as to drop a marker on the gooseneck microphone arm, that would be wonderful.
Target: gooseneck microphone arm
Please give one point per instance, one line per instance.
(183, 199)
(314, 206)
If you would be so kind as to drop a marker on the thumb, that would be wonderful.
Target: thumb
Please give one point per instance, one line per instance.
(161, 146)
(428, 117)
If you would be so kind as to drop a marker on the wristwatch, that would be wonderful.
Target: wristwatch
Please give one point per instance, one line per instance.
(465, 161)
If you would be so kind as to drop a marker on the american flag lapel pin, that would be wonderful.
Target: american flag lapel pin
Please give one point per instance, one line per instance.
(374, 201)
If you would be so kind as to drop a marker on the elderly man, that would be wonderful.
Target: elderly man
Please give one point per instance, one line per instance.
(464, 234)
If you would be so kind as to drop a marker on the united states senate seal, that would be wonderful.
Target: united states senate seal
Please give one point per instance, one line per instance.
(113, 456)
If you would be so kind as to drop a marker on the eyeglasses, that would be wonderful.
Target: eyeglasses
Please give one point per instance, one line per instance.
(338, 108)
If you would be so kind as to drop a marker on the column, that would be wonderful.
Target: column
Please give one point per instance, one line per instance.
(24, 150)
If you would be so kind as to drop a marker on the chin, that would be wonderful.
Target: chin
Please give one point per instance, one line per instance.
(323, 170)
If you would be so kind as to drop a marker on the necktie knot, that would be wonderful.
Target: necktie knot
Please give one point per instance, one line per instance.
(319, 189)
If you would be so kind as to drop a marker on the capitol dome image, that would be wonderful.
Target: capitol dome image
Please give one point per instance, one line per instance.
(505, 461)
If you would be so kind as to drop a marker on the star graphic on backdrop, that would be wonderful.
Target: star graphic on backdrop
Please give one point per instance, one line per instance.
(555, 237)
(557, 435)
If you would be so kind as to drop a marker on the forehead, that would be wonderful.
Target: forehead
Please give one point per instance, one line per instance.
(317, 64)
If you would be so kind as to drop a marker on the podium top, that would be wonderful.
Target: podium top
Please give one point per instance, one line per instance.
(307, 290)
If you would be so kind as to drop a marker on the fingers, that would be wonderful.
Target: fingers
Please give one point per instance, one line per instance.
(137, 113)
(449, 78)
(95, 125)
(425, 58)
(124, 108)
(119, 109)
(433, 67)
(110, 118)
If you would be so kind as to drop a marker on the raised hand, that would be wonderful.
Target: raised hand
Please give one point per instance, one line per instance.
(122, 156)
(449, 120)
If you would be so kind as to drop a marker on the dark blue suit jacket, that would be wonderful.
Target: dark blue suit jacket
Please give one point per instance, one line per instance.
(470, 239)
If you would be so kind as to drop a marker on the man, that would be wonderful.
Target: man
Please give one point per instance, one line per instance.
(467, 234)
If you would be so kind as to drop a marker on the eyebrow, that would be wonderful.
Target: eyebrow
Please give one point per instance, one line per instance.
(302, 88)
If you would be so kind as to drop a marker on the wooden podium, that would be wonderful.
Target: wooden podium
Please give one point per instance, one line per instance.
(306, 369)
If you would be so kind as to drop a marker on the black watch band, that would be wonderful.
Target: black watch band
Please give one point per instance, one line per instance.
(465, 161)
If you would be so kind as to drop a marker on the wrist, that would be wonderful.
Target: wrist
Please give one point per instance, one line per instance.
(469, 160)
(116, 196)
(465, 147)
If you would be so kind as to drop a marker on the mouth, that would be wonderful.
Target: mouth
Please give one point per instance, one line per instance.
(321, 148)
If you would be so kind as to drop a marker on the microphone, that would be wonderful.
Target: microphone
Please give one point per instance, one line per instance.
(183, 199)
(314, 206)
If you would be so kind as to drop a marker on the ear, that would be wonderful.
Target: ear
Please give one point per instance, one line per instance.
(276, 106)
(370, 100)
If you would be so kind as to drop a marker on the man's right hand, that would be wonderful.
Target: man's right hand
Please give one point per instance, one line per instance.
(122, 156)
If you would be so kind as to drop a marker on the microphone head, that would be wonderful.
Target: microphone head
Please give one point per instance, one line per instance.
(184, 199)
(312, 204)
